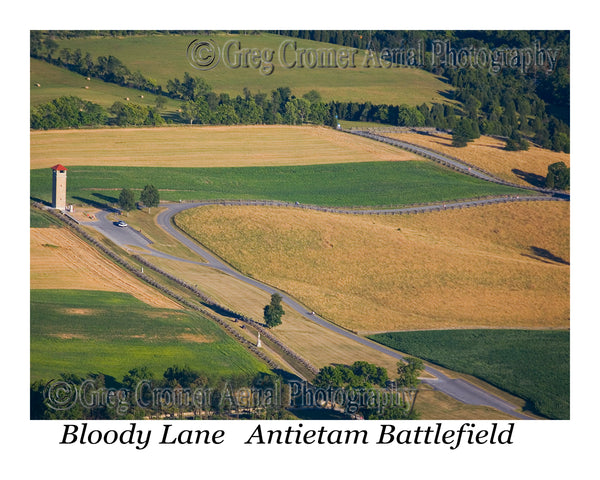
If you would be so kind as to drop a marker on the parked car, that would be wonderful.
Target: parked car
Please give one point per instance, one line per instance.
(121, 223)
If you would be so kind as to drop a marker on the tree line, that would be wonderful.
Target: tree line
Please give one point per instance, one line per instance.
(512, 104)
(141, 394)
(363, 376)
(107, 68)
(74, 112)
(535, 102)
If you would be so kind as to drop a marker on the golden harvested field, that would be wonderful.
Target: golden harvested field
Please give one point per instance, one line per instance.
(206, 146)
(489, 154)
(61, 260)
(315, 343)
(499, 266)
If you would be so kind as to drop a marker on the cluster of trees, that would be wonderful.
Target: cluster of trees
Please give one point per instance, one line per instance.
(149, 197)
(503, 104)
(365, 376)
(203, 106)
(74, 112)
(129, 113)
(108, 68)
(510, 103)
(466, 130)
(360, 374)
(535, 101)
(67, 112)
(140, 394)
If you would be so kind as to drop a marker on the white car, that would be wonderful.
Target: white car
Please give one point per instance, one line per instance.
(121, 223)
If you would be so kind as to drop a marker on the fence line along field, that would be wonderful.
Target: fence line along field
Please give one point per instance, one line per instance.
(496, 266)
(317, 344)
(61, 260)
(206, 146)
(525, 167)
(375, 184)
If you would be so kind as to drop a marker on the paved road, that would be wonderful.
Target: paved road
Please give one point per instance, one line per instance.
(459, 389)
(455, 163)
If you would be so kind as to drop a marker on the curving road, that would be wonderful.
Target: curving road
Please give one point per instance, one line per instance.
(459, 389)
(456, 388)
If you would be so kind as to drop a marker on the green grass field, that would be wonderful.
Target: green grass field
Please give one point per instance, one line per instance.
(58, 82)
(39, 219)
(375, 184)
(163, 57)
(88, 332)
(531, 364)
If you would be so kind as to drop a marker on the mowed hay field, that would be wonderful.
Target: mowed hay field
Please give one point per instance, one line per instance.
(206, 146)
(497, 266)
(61, 260)
(525, 167)
(319, 345)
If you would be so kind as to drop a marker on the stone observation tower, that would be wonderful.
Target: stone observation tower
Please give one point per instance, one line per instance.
(59, 187)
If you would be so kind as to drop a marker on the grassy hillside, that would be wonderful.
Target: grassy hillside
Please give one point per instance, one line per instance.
(351, 184)
(491, 267)
(58, 82)
(523, 167)
(163, 57)
(531, 364)
(84, 332)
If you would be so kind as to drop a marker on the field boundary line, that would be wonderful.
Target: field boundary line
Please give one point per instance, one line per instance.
(429, 207)
(131, 268)
(453, 162)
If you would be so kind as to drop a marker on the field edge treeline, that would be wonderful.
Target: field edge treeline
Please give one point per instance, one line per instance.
(535, 104)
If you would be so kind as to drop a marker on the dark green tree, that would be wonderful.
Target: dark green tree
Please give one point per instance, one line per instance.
(329, 376)
(466, 130)
(559, 176)
(195, 111)
(126, 200)
(66, 112)
(516, 142)
(274, 311)
(408, 373)
(150, 197)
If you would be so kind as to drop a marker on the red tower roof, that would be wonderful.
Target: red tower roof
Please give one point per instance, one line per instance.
(58, 167)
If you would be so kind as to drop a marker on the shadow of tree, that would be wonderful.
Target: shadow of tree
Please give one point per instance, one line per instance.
(95, 204)
(287, 376)
(106, 198)
(531, 178)
(220, 310)
(447, 94)
(541, 253)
